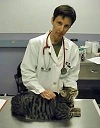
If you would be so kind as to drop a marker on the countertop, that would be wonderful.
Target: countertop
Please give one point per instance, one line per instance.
(90, 117)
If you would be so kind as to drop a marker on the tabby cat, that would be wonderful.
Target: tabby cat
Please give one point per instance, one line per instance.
(31, 106)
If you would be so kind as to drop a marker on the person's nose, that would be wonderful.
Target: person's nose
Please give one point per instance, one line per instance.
(61, 28)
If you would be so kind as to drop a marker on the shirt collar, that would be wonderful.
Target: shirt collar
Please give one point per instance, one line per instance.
(65, 40)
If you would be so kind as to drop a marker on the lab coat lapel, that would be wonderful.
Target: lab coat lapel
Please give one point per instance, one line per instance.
(58, 60)
(53, 54)
(51, 51)
(61, 53)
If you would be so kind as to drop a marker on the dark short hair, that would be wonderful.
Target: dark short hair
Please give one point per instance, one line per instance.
(65, 11)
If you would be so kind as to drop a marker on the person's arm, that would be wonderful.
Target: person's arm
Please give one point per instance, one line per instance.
(28, 68)
(72, 76)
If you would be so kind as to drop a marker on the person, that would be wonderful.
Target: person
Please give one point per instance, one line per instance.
(51, 61)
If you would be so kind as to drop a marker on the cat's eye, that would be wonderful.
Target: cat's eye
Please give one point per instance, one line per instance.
(63, 94)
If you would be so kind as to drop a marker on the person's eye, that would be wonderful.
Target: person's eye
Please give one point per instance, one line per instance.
(59, 23)
(67, 26)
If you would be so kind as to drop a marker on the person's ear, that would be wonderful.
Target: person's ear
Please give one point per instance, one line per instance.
(52, 20)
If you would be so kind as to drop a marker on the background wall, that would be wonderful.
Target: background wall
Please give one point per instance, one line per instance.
(9, 60)
(33, 16)
(21, 20)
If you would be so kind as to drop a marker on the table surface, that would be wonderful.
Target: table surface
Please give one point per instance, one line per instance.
(90, 117)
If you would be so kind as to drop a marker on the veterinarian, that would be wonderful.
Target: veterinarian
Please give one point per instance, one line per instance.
(51, 61)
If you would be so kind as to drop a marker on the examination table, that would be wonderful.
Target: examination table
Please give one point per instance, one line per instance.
(90, 117)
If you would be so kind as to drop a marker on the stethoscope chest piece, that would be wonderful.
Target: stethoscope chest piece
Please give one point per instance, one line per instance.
(63, 71)
(46, 68)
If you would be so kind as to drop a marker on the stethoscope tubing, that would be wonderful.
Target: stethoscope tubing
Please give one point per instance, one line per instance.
(47, 46)
(64, 53)
(63, 70)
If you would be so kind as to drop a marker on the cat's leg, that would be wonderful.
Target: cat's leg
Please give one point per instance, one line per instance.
(63, 112)
(76, 112)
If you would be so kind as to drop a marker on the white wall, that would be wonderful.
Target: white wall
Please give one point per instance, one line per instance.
(34, 16)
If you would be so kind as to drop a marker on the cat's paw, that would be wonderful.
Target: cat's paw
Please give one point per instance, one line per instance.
(76, 112)
(76, 109)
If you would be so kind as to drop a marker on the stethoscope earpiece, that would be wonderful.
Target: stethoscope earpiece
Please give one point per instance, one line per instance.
(45, 69)
(42, 68)
(49, 69)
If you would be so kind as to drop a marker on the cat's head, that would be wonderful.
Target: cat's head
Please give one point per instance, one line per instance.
(68, 93)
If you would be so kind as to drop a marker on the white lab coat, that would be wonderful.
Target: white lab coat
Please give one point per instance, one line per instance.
(35, 79)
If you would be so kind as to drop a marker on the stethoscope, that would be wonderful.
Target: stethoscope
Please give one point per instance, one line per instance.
(47, 68)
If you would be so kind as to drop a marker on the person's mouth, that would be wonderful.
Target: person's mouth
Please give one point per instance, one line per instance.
(60, 34)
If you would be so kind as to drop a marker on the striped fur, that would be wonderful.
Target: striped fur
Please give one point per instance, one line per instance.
(31, 106)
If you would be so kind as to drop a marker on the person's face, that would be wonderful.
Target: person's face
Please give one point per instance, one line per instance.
(60, 27)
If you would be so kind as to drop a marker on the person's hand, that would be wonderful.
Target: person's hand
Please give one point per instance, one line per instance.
(48, 94)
